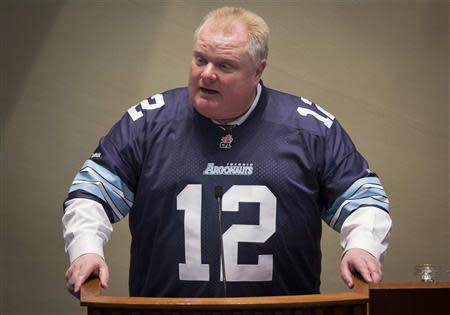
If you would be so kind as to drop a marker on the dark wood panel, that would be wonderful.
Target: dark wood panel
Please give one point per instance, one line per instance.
(412, 298)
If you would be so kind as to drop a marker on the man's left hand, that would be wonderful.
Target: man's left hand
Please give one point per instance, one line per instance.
(357, 260)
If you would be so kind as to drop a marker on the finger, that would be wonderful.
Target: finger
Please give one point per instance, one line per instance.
(377, 276)
(80, 280)
(368, 269)
(81, 277)
(374, 268)
(375, 271)
(70, 278)
(69, 287)
(70, 283)
(346, 275)
(68, 274)
(77, 285)
(104, 276)
(363, 270)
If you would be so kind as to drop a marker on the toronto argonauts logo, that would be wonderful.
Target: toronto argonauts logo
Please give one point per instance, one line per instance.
(226, 142)
(229, 169)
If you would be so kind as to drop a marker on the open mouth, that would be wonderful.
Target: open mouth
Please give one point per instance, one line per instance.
(208, 91)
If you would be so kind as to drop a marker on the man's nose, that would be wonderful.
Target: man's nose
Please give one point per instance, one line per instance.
(209, 72)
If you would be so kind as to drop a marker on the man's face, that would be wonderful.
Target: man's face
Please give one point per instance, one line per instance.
(223, 76)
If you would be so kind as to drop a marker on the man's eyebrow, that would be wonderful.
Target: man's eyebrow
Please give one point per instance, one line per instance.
(218, 60)
(198, 53)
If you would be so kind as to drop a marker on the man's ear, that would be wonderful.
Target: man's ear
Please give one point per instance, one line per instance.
(260, 69)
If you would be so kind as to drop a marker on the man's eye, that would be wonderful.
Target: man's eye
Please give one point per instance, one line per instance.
(200, 61)
(225, 66)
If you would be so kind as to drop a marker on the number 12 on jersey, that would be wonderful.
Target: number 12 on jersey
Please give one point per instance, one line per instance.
(189, 201)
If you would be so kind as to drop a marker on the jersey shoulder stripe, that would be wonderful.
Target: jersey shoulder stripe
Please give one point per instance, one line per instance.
(100, 182)
(366, 191)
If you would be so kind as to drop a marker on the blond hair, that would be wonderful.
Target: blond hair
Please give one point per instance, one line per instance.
(258, 31)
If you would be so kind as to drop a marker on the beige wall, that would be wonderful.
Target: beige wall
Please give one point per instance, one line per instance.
(69, 69)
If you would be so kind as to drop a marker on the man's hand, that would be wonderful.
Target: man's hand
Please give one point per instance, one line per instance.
(82, 268)
(358, 260)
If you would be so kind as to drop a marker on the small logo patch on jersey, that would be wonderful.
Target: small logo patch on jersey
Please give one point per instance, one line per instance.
(96, 155)
(225, 142)
(370, 173)
(229, 169)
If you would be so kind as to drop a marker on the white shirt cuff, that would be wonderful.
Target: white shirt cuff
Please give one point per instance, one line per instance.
(367, 228)
(86, 228)
(85, 244)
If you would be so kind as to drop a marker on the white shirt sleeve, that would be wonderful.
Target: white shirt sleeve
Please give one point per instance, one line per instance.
(86, 228)
(368, 228)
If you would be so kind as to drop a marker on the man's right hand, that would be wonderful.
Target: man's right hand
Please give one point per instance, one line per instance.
(81, 268)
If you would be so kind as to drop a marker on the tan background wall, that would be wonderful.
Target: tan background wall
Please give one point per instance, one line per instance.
(69, 69)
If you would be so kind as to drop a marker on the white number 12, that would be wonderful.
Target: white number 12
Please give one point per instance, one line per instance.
(189, 200)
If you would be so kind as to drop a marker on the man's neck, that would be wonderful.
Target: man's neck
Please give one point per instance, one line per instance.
(240, 119)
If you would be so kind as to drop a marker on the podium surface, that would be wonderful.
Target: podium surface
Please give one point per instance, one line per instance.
(405, 298)
(344, 303)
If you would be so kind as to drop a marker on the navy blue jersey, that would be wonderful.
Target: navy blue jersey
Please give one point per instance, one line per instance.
(289, 165)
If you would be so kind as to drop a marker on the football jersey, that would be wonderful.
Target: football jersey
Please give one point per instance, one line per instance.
(282, 171)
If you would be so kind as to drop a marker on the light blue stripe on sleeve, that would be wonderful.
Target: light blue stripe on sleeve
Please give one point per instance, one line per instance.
(107, 186)
(97, 189)
(366, 191)
(350, 207)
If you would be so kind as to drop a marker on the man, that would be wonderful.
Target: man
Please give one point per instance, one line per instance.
(225, 183)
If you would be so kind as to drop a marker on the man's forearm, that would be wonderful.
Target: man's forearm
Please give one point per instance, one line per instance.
(367, 228)
(86, 228)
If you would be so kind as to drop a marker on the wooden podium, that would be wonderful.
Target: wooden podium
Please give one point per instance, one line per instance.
(345, 303)
(408, 298)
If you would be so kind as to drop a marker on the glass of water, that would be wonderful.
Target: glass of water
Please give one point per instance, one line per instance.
(427, 272)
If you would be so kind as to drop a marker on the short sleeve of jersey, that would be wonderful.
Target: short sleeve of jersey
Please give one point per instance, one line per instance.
(110, 175)
(347, 183)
